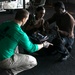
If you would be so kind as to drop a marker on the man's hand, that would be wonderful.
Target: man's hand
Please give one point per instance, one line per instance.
(46, 44)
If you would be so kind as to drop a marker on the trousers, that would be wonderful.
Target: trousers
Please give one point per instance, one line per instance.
(62, 44)
(18, 63)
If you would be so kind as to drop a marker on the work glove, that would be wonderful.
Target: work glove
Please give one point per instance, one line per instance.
(46, 44)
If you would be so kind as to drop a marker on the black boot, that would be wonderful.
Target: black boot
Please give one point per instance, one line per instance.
(64, 56)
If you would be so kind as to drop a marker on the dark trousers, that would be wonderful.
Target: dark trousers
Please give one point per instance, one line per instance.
(63, 44)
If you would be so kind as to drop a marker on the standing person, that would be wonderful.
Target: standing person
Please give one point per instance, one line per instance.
(11, 35)
(65, 27)
(36, 21)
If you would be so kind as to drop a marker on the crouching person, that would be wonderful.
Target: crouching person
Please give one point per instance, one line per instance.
(11, 35)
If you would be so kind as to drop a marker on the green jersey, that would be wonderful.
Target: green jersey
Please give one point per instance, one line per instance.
(11, 35)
